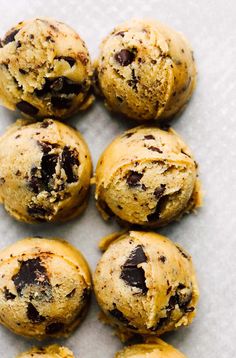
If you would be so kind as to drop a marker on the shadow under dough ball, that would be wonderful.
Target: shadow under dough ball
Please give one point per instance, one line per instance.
(53, 351)
(146, 70)
(45, 170)
(154, 348)
(44, 289)
(147, 176)
(145, 284)
(45, 69)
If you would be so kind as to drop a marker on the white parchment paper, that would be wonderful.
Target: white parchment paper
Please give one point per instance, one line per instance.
(208, 125)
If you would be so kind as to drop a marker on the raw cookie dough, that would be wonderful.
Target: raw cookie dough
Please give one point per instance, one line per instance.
(146, 70)
(154, 349)
(44, 289)
(45, 69)
(147, 176)
(146, 284)
(45, 170)
(53, 351)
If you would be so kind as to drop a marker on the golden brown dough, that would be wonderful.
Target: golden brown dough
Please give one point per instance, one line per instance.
(53, 351)
(45, 288)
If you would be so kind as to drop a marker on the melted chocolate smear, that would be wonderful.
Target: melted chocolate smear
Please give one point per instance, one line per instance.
(133, 179)
(59, 86)
(33, 314)
(10, 37)
(69, 159)
(54, 328)
(135, 276)
(118, 315)
(27, 108)
(8, 295)
(31, 272)
(125, 57)
(160, 205)
(68, 59)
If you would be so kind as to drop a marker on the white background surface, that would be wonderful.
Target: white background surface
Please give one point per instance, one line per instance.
(208, 125)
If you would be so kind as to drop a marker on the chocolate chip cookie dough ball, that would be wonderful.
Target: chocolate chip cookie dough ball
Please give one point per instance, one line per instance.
(44, 288)
(146, 70)
(53, 351)
(146, 284)
(147, 176)
(45, 170)
(156, 348)
(45, 69)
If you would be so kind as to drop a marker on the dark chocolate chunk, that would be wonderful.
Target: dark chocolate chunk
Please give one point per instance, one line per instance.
(120, 99)
(48, 167)
(135, 276)
(61, 102)
(125, 57)
(22, 71)
(118, 315)
(160, 205)
(27, 108)
(33, 314)
(60, 85)
(155, 149)
(133, 81)
(149, 137)
(69, 159)
(162, 258)
(54, 328)
(34, 183)
(71, 294)
(159, 191)
(8, 295)
(38, 212)
(2, 180)
(31, 272)
(10, 37)
(133, 178)
(68, 59)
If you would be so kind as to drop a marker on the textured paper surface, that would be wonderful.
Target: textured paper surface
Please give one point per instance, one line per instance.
(208, 125)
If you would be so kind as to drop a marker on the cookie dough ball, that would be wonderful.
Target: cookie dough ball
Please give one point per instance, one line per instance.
(53, 351)
(146, 284)
(45, 69)
(147, 176)
(155, 349)
(44, 289)
(146, 70)
(45, 171)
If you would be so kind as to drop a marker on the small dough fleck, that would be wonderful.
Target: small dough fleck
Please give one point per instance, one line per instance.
(156, 348)
(147, 176)
(45, 70)
(53, 351)
(45, 170)
(145, 70)
(45, 288)
(145, 284)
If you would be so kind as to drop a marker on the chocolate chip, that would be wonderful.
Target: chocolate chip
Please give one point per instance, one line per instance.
(120, 33)
(149, 137)
(184, 254)
(27, 108)
(69, 159)
(125, 57)
(168, 290)
(159, 207)
(33, 314)
(54, 328)
(162, 258)
(10, 37)
(22, 71)
(45, 146)
(8, 295)
(61, 102)
(68, 59)
(60, 85)
(46, 123)
(128, 135)
(71, 294)
(133, 275)
(48, 167)
(120, 99)
(38, 212)
(158, 192)
(118, 315)
(155, 149)
(133, 178)
(31, 272)
(2, 181)
(133, 81)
